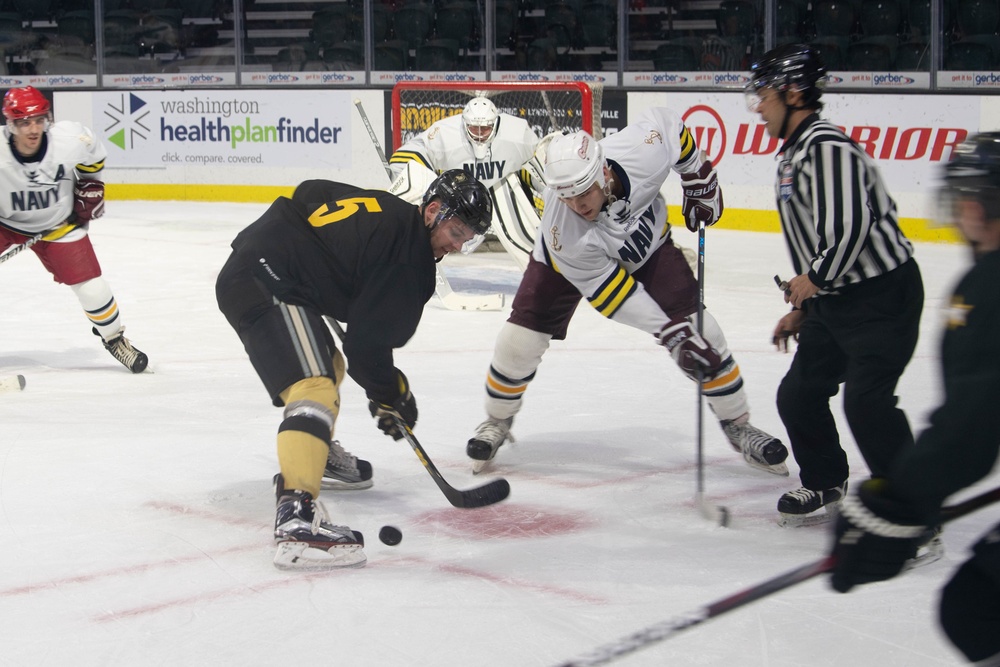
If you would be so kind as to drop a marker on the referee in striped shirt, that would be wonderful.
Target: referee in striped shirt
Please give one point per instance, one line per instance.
(856, 294)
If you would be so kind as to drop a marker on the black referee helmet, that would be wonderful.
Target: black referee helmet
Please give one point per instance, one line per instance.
(789, 67)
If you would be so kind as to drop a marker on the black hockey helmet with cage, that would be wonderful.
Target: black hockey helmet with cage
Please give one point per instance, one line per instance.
(974, 172)
(464, 197)
(790, 67)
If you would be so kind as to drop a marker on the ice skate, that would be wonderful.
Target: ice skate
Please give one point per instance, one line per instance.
(305, 538)
(344, 471)
(929, 551)
(483, 446)
(760, 450)
(122, 349)
(801, 506)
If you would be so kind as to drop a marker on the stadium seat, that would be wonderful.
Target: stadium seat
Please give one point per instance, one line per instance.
(833, 18)
(599, 24)
(967, 56)
(335, 24)
(391, 56)
(977, 17)
(865, 56)
(832, 51)
(436, 55)
(881, 17)
(344, 56)
(913, 56)
(412, 23)
(78, 25)
(673, 57)
(789, 15)
(456, 20)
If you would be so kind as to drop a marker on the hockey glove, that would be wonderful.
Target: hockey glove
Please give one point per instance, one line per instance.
(88, 200)
(403, 407)
(689, 349)
(702, 197)
(875, 534)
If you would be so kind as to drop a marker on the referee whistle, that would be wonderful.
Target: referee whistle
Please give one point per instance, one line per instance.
(783, 285)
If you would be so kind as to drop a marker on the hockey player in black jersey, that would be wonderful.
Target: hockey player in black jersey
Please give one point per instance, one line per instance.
(881, 525)
(364, 257)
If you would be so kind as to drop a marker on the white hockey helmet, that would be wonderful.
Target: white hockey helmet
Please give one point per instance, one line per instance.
(480, 119)
(573, 163)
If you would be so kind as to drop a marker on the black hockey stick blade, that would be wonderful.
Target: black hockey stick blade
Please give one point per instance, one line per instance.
(667, 629)
(480, 496)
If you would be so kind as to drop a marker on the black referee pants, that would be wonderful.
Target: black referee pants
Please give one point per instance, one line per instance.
(863, 339)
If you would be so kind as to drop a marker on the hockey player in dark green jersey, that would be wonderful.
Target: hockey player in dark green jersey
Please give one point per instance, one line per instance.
(364, 257)
(881, 525)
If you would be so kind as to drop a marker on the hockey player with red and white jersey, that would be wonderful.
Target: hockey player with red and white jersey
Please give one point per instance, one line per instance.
(497, 149)
(49, 176)
(605, 237)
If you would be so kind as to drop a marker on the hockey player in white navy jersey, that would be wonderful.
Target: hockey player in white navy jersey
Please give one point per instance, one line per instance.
(49, 177)
(605, 236)
(490, 146)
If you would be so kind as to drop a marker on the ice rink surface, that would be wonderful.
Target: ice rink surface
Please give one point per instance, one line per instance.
(136, 512)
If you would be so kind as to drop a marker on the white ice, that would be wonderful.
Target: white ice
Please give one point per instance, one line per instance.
(136, 511)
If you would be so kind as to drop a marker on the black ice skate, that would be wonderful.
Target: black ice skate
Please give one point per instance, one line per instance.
(121, 349)
(801, 506)
(760, 450)
(483, 446)
(305, 538)
(344, 471)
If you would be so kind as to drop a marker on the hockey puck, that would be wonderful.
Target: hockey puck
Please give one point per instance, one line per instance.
(390, 535)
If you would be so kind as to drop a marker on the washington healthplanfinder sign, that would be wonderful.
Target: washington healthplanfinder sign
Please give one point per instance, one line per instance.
(225, 128)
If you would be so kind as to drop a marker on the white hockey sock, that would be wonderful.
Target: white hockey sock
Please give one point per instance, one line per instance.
(724, 391)
(100, 306)
(516, 356)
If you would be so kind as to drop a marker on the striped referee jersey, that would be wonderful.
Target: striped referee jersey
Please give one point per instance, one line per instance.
(838, 219)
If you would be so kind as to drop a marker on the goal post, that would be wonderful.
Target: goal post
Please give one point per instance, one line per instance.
(548, 106)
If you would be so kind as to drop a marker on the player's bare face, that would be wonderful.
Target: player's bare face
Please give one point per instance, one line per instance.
(588, 204)
(772, 110)
(449, 236)
(28, 135)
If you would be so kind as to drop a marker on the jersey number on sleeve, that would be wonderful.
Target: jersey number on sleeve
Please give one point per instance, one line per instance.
(348, 207)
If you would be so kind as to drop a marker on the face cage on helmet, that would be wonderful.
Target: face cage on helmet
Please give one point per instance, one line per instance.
(12, 122)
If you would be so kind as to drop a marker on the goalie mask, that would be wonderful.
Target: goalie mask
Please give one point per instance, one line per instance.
(21, 104)
(480, 119)
(573, 163)
(465, 198)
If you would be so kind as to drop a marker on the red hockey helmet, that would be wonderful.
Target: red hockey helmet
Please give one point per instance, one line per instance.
(25, 102)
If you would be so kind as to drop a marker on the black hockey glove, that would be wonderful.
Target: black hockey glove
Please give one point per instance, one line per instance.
(88, 200)
(875, 534)
(702, 197)
(403, 407)
(689, 349)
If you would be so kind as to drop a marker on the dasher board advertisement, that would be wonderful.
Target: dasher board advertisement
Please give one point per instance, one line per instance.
(228, 128)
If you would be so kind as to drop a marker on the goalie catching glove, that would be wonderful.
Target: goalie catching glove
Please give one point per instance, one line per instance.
(702, 197)
(403, 407)
(689, 349)
(875, 535)
(88, 200)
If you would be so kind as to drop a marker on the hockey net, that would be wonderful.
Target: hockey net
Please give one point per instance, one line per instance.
(547, 106)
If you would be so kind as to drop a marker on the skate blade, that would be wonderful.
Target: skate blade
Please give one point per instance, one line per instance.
(779, 469)
(928, 553)
(812, 519)
(479, 466)
(332, 484)
(301, 556)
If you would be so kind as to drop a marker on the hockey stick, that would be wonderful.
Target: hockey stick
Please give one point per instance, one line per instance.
(666, 629)
(480, 496)
(714, 513)
(68, 226)
(12, 383)
(442, 288)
